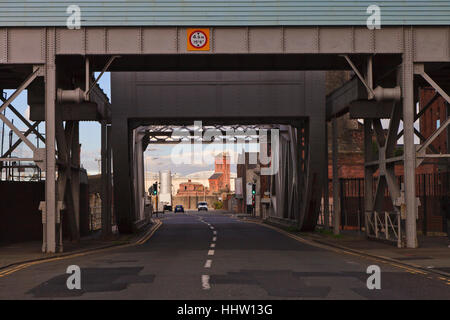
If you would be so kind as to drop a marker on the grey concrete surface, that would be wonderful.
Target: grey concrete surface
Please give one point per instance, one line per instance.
(249, 261)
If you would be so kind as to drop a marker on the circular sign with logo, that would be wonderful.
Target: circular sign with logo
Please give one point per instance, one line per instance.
(198, 39)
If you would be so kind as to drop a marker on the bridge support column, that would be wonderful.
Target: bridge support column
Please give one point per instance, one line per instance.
(49, 245)
(409, 149)
(314, 152)
(76, 163)
(138, 178)
(368, 173)
(109, 211)
(68, 182)
(123, 200)
(326, 196)
(336, 184)
(105, 191)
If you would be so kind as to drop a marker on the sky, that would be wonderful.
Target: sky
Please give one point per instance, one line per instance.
(160, 157)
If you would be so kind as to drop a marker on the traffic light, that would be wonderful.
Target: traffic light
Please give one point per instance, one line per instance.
(155, 188)
(253, 194)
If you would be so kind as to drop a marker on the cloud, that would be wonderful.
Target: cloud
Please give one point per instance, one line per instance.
(88, 158)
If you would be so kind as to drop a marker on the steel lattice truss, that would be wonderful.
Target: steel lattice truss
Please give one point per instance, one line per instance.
(208, 134)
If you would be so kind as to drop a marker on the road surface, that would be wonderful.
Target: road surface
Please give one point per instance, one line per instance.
(216, 256)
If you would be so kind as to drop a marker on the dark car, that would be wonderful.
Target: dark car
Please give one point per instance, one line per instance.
(167, 207)
(179, 208)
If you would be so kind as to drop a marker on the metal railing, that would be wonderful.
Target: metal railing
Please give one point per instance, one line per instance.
(384, 226)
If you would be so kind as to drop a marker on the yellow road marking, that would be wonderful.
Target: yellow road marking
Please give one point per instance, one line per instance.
(153, 230)
(142, 240)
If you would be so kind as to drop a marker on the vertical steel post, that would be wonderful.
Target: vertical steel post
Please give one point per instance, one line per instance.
(140, 176)
(50, 155)
(424, 204)
(109, 182)
(368, 174)
(3, 139)
(104, 178)
(448, 136)
(336, 185)
(123, 203)
(75, 179)
(408, 136)
(326, 206)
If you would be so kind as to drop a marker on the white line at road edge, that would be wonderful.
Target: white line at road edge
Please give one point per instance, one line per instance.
(214, 239)
(210, 252)
(205, 282)
(208, 263)
(213, 245)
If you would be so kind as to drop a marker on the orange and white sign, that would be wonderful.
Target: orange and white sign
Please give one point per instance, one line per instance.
(198, 39)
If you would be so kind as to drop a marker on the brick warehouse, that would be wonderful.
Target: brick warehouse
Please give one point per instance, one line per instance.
(220, 179)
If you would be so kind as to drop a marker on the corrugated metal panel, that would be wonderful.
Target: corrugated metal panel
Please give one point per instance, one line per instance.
(222, 13)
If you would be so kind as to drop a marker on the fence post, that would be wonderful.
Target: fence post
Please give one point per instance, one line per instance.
(342, 187)
(399, 231)
(386, 225)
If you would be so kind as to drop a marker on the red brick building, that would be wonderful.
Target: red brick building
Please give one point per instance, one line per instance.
(430, 121)
(436, 115)
(190, 188)
(220, 180)
(350, 148)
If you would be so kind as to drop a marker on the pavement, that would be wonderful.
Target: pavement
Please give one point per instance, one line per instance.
(217, 256)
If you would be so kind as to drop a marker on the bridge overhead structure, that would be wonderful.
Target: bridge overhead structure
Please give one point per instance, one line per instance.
(38, 52)
(288, 98)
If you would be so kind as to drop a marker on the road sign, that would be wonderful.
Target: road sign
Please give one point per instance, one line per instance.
(198, 39)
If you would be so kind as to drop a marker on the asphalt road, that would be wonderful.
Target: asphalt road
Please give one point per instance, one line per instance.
(214, 256)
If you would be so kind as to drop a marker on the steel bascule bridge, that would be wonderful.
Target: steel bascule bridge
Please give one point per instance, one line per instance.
(264, 65)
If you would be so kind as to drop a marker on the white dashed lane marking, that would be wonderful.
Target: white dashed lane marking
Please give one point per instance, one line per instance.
(208, 263)
(205, 282)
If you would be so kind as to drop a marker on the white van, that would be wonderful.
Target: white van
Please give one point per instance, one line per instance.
(202, 206)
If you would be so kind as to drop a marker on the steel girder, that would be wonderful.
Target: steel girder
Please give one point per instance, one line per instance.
(270, 98)
(297, 186)
(170, 134)
(24, 45)
(37, 71)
